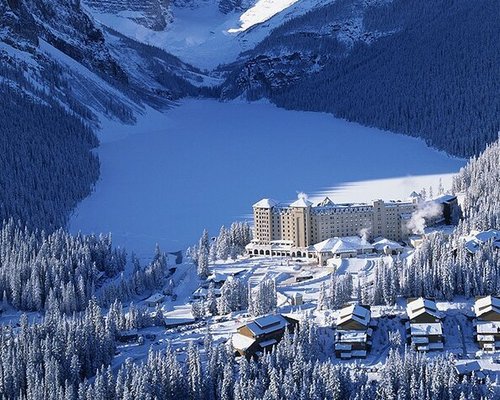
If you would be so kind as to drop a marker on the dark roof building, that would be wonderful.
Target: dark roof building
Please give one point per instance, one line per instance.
(261, 334)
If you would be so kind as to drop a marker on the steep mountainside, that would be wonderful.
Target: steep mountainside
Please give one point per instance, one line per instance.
(59, 74)
(427, 69)
(153, 14)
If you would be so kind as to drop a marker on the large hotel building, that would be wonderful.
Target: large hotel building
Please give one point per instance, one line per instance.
(295, 229)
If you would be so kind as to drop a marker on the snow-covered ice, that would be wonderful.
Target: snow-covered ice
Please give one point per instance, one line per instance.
(204, 163)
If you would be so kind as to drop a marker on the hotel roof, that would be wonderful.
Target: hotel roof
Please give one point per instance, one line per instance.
(301, 203)
(346, 244)
(265, 203)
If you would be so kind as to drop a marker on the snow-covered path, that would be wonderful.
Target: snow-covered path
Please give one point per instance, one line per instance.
(204, 164)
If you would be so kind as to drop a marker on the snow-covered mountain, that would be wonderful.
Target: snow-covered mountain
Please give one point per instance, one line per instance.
(153, 14)
(65, 55)
(61, 75)
(411, 67)
(206, 33)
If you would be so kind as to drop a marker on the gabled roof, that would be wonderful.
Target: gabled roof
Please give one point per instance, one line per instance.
(301, 203)
(354, 312)
(476, 239)
(265, 203)
(421, 306)
(380, 243)
(241, 342)
(486, 304)
(338, 245)
(267, 324)
(326, 202)
(155, 297)
(466, 367)
(490, 234)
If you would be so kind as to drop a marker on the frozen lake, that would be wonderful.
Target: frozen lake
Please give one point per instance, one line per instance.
(204, 164)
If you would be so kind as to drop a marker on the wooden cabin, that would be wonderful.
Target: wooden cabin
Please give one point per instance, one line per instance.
(424, 328)
(261, 334)
(353, 332)
(487, 323)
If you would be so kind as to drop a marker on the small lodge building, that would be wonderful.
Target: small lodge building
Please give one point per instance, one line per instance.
(261, 334)
(155, 299)
(424, 328)
(467, 368)
(476, 240)
(353, 332)
(487, 323)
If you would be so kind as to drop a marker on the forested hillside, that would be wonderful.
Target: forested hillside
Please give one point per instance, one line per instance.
(442, 267)
(59, 74)
(426, 69)
(46, 161)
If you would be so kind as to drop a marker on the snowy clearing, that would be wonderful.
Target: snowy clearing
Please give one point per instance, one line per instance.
(204, 163)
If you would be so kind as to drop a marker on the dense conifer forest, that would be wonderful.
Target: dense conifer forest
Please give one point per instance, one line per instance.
(426, 69)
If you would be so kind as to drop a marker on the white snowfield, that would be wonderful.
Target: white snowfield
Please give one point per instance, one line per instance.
(204, 164)
(261, 12)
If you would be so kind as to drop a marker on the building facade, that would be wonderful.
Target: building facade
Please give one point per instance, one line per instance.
(284, 229)
(353, 332)
(487, 323)
(424, 328)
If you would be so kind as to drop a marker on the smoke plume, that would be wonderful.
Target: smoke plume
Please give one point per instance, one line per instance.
(426, 211)
(364, 233)
(302, 195)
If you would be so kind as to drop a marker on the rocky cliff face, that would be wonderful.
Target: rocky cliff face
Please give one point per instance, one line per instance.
(153, 14)
(64, 25)
(46, 43)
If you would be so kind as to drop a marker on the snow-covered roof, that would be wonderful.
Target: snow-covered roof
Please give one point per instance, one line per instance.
(301, 203)
(326, 202)
(426, 329)
(217, 277)
(414, 195)
(338, 245)
(420, 306)
(265, 203)
(474, 241)
(380, 243)
(267, 324)
(420, 340)
(467, 367)
(486, 304)
(155, 298)
(203, 292)
(241, 342)
(488, 327)
(490, 234)
(356, 313)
